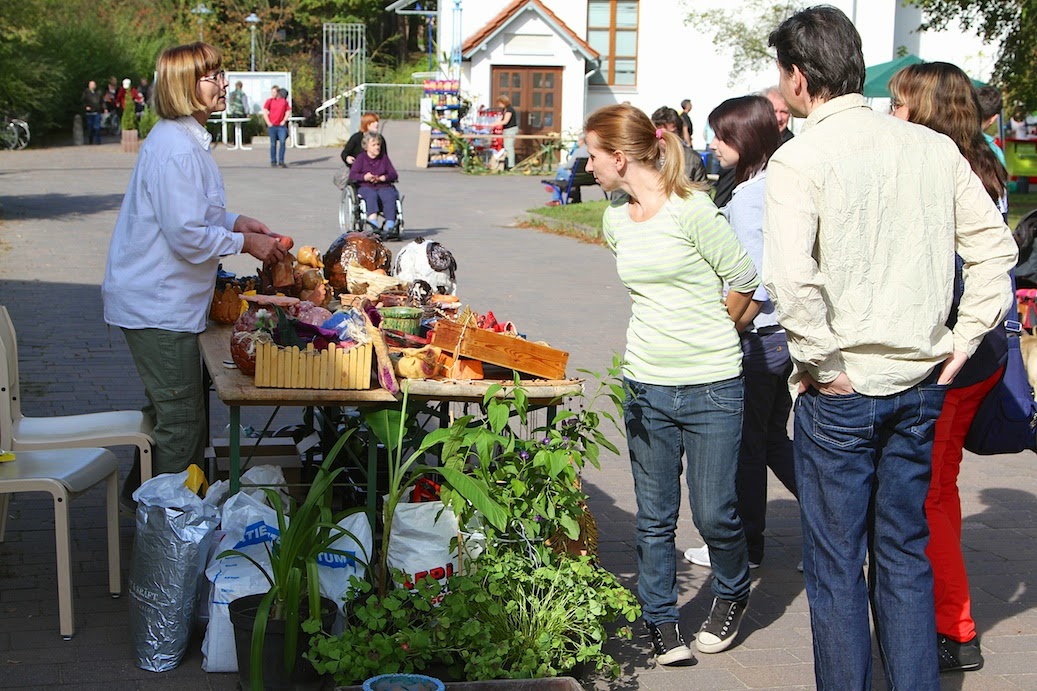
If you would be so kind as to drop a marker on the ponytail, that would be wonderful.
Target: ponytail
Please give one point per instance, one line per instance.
(671, 167)
(625, 128)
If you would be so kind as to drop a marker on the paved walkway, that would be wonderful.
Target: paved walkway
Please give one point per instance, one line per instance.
(59, 208)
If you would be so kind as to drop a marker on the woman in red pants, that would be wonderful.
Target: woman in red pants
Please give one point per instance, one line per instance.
(941, 97)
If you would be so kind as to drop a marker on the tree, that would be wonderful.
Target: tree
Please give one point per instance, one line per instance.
(1012, 23)
(742, 31)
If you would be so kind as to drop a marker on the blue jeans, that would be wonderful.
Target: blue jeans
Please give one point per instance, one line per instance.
(278, 133)
(93, 128)
(665, 423)
(862, 470)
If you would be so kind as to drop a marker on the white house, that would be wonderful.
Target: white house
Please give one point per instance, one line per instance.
(559, 60)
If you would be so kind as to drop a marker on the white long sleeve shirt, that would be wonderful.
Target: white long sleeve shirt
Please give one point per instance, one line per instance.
(172, 229)
(864, 214)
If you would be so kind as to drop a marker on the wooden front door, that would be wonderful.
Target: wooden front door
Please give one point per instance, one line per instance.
(536, 96)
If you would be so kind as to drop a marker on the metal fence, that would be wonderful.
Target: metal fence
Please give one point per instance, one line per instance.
(390, 101)
(345, 63)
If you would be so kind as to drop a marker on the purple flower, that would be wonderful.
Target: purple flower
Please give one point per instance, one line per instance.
(545, 441)
(538, 518)
(523, 455)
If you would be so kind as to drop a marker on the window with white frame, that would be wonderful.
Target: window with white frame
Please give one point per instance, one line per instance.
(612, 31)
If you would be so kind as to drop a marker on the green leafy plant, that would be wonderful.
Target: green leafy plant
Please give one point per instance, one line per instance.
(292, 575)
(390, 426)
(148, 119)
(533, 477)
(525, 610)
(129, 113)
(510, 619)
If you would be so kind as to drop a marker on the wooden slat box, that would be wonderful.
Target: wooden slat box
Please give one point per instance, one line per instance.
(497, 349)
(334, 368)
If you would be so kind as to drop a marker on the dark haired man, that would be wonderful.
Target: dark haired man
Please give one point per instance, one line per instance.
(686, 127)
(864, 214)
(667, 119)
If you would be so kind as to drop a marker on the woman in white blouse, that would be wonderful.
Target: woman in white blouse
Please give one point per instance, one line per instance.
(172, 229)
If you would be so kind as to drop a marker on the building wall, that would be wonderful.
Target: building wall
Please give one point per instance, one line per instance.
(530, 41)
(675, 61)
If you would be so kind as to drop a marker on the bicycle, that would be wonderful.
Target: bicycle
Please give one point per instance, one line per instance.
(14, 133)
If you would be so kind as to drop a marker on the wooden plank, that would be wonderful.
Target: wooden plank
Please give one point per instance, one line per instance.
(498, 349)
(424, 142)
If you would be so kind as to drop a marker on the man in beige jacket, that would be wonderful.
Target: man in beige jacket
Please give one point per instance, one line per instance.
(864, 214)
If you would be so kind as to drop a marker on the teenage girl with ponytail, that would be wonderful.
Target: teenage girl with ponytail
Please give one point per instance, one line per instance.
(683, 367)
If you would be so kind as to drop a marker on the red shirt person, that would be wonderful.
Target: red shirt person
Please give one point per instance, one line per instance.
(276, 112)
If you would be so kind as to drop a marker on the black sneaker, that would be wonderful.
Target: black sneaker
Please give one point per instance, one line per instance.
(721, 626)
(959, 657)
(669, 645)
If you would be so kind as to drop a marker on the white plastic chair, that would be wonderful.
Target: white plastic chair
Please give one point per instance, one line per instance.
(64, 474)
(109, 428)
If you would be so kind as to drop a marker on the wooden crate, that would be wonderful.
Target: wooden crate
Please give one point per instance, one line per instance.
(334, 368)
(497, 349)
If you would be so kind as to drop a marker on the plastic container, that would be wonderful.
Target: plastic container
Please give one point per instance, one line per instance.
(403, 682)
(405, 319)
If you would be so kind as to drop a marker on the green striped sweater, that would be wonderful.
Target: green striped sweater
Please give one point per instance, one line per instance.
(675, 266)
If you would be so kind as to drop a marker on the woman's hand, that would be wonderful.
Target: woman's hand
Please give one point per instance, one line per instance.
(350, 159)
(264, 247)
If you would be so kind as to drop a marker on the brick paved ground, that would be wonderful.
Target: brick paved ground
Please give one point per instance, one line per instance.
(59, 207)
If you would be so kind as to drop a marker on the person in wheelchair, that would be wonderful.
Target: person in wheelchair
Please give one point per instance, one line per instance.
(368, 123)
(374, 175)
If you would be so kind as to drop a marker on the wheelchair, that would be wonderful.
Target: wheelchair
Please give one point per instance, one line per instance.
(352, 213)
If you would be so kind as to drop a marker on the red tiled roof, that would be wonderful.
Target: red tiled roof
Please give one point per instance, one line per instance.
(508, 13)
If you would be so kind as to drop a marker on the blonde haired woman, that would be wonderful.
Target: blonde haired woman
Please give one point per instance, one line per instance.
(172, 229)
(683, 367)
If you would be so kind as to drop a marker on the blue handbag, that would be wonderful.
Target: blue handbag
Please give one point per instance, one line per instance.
(1006, 421)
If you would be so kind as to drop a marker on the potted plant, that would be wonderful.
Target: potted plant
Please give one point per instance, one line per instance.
(130, 143)
(529, 608)
(269, 626)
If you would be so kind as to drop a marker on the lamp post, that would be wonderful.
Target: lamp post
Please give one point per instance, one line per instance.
(200, 11)
(252, 20)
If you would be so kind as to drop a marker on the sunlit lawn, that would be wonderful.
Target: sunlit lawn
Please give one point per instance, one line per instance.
(1019, 205)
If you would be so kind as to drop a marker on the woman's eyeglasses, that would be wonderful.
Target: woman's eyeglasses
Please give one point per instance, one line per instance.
(894, 104)
(220, 76)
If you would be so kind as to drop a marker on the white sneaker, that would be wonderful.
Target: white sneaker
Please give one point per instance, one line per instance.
(799, 566)
(699, 556)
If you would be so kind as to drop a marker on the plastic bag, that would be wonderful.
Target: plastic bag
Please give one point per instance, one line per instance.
(341, 178)
(419, 544)
(248, 526)
(270, 476)
(174, 531)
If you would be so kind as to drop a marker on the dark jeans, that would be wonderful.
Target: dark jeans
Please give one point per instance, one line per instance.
(382, 198)
(664, 424)
(765, 444)
(278, 133)
(862, 469)
(93, 128)
(170, 367)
